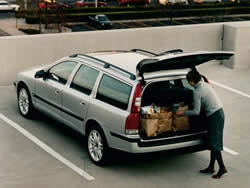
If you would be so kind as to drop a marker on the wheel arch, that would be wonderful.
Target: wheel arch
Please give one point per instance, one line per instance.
(20, 85)
(93, 123)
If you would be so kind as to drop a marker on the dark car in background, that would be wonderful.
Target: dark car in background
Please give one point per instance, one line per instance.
(100, 21)
(90, 3)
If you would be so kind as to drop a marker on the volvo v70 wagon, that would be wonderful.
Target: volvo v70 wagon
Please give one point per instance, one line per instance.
(119, 99)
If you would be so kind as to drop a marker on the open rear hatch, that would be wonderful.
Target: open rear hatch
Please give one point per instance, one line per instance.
(179, 61)
(160, 99)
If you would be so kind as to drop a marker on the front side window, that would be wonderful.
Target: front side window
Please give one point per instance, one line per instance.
(84, 79)
(114, 92)
(61, 72)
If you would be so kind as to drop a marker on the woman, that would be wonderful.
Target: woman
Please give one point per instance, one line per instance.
(206, 100)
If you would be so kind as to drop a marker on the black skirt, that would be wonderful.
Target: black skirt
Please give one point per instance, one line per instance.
(215, 130)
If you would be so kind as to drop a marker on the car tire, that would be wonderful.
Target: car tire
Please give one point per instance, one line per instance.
(97, 146)
(25, 105)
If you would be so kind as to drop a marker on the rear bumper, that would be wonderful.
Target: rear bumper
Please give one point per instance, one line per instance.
(134, 144)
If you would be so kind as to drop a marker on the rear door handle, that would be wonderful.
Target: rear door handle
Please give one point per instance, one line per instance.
(82, 103)
(57, 92)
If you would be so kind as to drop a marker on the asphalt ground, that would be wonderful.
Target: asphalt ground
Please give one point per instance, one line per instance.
(125, 24)
(57, 156)
(9, 25)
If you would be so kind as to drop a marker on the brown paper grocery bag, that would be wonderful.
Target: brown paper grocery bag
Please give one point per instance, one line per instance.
(149, 124)
(164, 122)
(180, 123)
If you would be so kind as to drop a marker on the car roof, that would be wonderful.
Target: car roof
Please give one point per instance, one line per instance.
(137, 62)
(126, 60)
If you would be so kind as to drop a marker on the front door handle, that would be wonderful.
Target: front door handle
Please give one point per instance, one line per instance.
(57, 92)
(82, 103)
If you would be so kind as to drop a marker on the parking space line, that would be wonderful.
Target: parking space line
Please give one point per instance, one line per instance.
(177, 22)
(160, 23)
(46, 148)
(142, 24)
(230, 151)
(230, 89)
(193, 21)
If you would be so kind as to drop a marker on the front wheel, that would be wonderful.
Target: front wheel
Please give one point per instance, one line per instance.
(97, 146)
(24, 102)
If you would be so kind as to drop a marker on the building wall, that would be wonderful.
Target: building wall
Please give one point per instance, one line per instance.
(237, 39)
(21, 52)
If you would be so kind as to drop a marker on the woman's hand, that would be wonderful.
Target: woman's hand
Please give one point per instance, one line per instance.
(180, 113)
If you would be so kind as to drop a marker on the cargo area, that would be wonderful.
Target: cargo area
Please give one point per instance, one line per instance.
(160, 101)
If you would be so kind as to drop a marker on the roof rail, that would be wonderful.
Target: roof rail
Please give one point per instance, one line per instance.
(111, 51)
(171, 52)
(144, 51)
(105, 64)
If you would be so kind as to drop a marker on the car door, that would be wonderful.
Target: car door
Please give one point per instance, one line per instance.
(48, 90)
(77, 96)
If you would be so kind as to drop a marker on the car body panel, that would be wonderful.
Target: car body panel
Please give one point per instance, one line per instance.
(90, 3)
(45, 5)
(6, 6)
(76, 109)
(48, 96)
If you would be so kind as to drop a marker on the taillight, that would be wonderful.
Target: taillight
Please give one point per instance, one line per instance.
(133, 119)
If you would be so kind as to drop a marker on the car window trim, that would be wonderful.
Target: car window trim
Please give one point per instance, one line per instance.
(73, 76)
(62, 61)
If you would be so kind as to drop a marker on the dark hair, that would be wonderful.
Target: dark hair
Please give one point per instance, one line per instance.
(193, 76)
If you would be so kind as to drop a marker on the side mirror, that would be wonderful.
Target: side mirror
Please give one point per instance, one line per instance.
(41, 74)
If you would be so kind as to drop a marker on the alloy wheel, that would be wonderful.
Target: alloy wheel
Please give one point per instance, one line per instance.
(24, 101)
(95, 145)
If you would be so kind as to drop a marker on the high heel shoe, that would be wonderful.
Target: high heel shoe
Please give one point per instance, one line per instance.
(208, 170)
(220, 173)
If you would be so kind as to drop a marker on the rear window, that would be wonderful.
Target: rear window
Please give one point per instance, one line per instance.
(114, 92)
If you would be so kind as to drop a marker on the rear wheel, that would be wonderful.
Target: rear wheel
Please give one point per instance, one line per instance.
(97, 146)
(24, 102)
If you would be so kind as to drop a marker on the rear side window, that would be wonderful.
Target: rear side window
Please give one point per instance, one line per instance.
(84, 79)
(114, 92)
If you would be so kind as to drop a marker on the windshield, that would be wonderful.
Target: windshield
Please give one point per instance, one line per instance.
(4, 3)
(102, 18)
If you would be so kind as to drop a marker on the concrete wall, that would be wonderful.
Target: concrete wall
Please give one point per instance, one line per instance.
(21, 52)
(237, 39)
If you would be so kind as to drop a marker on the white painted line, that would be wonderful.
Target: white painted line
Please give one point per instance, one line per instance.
(230, 89)
(47, 148)
(230, 151)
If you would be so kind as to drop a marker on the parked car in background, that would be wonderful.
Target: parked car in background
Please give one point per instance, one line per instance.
(43, 5)
(70, 3)
(133, 2)
(90, 3)
(105, 95)
(207, 1)
(171, 2)
(100, 21)
(6, 6)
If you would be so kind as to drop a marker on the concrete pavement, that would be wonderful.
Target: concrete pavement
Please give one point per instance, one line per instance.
(10, 26)
(24, 164)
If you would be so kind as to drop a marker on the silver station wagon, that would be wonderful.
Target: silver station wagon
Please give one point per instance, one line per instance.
(119, 99)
